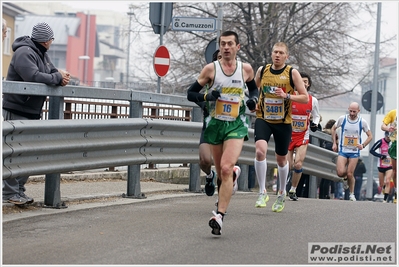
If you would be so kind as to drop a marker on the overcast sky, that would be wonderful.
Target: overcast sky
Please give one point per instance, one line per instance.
(389, 13)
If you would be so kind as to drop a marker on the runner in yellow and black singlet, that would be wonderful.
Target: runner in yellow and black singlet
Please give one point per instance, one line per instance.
(273, 117)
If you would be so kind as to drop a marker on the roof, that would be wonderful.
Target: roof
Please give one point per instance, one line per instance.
(387, 61)
(59, 24)
(12, 9)
(110, 50)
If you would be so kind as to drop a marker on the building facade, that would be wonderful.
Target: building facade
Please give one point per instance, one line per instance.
(89, 50)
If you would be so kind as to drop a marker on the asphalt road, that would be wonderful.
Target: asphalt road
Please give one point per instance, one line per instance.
(175, 231)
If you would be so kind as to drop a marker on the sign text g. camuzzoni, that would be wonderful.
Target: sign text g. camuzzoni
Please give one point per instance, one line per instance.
(193, 24)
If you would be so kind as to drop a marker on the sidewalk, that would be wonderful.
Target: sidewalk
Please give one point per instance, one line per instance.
(98, 190)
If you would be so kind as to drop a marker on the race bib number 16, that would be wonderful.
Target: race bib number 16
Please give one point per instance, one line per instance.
(227, 109)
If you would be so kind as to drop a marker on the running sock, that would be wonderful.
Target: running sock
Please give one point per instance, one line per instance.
(221, 213)
(283, 172)
(260, 170)
(210, 175)
(293, 189)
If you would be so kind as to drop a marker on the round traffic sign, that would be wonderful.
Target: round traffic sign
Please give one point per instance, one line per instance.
(366, 100)
(210, 49)
(161, 61)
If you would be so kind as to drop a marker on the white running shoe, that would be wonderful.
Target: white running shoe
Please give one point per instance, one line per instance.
(352, 197)
(237, 171)
(216, 223)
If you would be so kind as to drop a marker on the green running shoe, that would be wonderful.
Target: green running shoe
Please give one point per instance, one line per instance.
(279, 204)
(262, 199)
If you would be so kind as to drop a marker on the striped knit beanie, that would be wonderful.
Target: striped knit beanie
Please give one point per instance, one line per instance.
(42, 32)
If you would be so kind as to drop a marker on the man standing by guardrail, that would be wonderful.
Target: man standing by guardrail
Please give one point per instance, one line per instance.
(227, 126)
(30, 63)
(349, 144)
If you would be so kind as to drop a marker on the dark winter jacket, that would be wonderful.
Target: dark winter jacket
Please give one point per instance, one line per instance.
(29, 64)
(326, 144)
(360, 169)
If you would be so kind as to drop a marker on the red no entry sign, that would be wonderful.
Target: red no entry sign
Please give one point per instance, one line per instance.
(161, 61)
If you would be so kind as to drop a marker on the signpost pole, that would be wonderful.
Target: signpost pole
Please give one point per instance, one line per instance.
(161, 41)
(219, 24)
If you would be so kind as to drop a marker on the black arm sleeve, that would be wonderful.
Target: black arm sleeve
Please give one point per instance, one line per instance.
(375, 147)
(193, 93)
(252, 89)
(202, 105)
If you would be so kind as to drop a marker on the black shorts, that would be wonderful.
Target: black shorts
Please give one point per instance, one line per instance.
(383, 170)
(281, 132)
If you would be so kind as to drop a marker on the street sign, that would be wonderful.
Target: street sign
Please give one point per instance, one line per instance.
(156, 16)
(161, 61)
(366, 100)
(193, 24)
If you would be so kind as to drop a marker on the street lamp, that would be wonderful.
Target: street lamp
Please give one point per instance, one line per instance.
(81, 76)
(130, 13)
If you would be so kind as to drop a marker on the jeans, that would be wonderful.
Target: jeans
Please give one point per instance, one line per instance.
(324, 188)
(358, 186)
(13, 186)
(339, 190)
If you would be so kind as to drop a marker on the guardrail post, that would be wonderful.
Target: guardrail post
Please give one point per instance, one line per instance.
(114, 115)
(243, 179)
(194, 184)
(313, 179)
(133, 182)
(52, 192)
(194, 179)
(134, 171)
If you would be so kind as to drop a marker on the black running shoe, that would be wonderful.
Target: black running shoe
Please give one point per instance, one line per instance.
(210, 185)
(292, 196)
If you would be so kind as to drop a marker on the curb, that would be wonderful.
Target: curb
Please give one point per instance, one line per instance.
(173, 175)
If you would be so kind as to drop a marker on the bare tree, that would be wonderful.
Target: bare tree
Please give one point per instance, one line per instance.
(319, 35)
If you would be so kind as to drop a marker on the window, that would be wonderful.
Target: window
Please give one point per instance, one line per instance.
(7, 43)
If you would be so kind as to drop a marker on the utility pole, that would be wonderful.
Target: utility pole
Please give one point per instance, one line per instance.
(86, 62)
(370, 179)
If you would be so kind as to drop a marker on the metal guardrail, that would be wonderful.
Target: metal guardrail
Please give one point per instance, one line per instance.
(43, 147)
(53, 146)
(56, 146)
